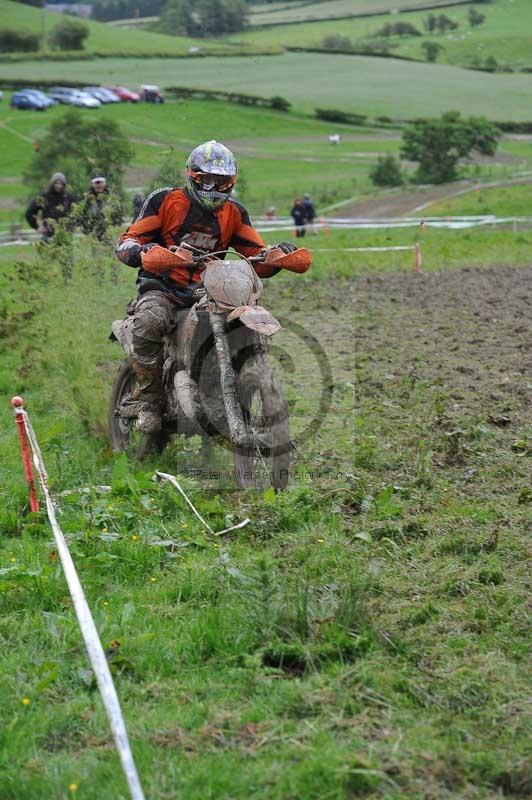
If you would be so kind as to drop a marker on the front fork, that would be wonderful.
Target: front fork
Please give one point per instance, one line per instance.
(238, 432)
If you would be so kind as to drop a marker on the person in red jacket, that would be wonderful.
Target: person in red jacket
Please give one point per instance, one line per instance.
(203, 215)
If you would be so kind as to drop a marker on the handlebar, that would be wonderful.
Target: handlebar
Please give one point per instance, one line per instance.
(160, 259)
(201, 255)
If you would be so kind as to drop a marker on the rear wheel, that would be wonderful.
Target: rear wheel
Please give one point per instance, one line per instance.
(122, 430)
(266, 416)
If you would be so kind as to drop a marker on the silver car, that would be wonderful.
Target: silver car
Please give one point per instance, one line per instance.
(73, 97)
(101, 94)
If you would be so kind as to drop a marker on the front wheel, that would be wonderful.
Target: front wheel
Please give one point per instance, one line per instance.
(266, 416)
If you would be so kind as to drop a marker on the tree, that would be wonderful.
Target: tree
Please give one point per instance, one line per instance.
(68, 35)
(203, 18)
(386, 172)
(438, 145)
(475, 18)
(445, 23)
(432, 50)
(80, 147)
(430, 23)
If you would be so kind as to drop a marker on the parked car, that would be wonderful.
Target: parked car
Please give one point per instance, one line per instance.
(25, 100)
(61, 94)
(126, 95)
(41, 96)
(73, 97)
(151, 94)
(101, 94)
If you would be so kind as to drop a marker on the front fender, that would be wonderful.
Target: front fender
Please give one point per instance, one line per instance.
(256, 318)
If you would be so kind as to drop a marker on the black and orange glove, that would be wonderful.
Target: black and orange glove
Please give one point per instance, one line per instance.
(297, 259)
(286, 247)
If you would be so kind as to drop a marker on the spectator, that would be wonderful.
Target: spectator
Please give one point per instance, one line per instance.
(334, 138)
(99, 209)
(138, 200)
(270, 214)
(310, 211)
(299, 215)
(53, 204)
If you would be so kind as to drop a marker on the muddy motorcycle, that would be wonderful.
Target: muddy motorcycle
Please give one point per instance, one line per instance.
(218, 382)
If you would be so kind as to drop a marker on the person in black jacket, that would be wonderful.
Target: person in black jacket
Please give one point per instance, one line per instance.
(137, 202)
(99, 208)
(53, 204)
(310, 211)
(299, 215)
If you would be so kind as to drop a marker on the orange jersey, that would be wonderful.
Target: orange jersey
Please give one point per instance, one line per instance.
(169, 217)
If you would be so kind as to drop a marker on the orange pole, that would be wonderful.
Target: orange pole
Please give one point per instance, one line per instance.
(416, 267)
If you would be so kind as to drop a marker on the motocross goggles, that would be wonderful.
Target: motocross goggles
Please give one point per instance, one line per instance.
(208, 182)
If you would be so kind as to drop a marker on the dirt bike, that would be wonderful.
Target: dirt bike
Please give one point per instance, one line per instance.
(218, 382)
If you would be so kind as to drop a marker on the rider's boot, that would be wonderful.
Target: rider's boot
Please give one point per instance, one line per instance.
(149, 394)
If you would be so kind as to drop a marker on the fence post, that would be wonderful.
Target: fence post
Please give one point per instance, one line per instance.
(18, 408)
(416, 267)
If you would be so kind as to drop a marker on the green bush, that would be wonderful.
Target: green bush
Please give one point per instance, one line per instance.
(432, 50)
(68, 35)
(13, 41)
(335, 115)
(280, 103)
(387, 172)
(398, 29)
(336, 41)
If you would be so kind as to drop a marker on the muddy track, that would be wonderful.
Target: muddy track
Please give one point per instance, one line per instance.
(468, 330)
(463, 338)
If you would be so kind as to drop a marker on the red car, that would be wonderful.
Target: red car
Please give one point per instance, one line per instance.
(126, 95)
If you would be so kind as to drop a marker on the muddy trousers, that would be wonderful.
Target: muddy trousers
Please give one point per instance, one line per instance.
(154, 317)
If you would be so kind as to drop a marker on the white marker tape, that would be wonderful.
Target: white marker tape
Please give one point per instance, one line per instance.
(88, 629)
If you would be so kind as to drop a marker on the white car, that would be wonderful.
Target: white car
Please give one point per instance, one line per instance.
(84, 100)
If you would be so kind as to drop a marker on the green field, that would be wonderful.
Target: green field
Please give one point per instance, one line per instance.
(354, 83)
(506, 34)
(503, 202)
(297, 12)
(102, 38)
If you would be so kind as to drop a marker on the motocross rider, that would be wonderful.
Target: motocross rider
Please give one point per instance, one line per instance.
(203, 215)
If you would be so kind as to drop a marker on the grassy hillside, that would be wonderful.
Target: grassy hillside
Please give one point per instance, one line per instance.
(365, 636)
(102, 38)
(268, 144)
(506, 34)
(363, 84)
(280, 155)
(296, 12)
(501, 201)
